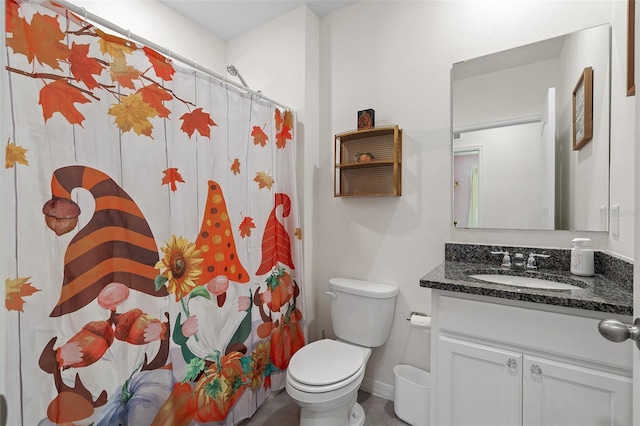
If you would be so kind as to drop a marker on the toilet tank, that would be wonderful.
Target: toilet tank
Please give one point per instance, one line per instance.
(362, 311)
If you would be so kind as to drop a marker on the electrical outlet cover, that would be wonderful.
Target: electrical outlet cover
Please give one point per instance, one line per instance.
(615, 220)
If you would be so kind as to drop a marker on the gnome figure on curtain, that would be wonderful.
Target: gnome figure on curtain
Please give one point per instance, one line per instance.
(113, 254)
(217, 306)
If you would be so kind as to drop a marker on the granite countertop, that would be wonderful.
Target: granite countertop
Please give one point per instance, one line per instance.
(596, 293)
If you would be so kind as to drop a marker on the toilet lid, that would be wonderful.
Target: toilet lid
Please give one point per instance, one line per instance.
(325, 362)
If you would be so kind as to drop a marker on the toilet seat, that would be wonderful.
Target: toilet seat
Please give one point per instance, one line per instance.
(325, 365)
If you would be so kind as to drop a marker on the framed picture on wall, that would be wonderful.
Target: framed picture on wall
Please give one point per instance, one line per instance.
(583, 109)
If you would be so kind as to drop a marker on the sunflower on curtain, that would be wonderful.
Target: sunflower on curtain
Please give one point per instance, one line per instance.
(160, 283)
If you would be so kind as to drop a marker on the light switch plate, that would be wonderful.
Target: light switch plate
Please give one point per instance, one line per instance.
(604, 217)
(615, 220)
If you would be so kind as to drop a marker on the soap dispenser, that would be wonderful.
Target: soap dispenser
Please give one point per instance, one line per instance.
(582, 257)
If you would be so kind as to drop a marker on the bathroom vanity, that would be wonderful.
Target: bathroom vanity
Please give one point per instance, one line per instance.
(508, 355)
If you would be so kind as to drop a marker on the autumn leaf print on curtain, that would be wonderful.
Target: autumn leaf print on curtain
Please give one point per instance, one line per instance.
(42, 40)
(156, 250)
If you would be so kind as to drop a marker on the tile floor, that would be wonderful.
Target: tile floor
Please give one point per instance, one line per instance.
(281, 410)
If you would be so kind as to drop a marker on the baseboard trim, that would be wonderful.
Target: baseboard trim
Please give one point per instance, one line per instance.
(380, 389)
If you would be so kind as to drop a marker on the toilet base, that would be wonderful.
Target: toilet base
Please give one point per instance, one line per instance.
(357, 416)
(333, 418)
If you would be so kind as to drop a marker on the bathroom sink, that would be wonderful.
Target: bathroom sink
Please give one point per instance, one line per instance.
(520, 281)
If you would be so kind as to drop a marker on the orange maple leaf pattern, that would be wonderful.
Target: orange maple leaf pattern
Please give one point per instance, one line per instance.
(235, 166)
(282, 136)
(15, 290)
(15, 154)
(61, 97)
(263, 180)
(39, 40)
(11, 15)
(197, 120)
(171, 176)
(161, 65)
(283, 126)
(154, 95)
(278, 118)
(246, 226)
(83, 67)
(298, 233)
(259, 136)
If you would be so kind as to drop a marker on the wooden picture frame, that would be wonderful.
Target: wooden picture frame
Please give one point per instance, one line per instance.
(631, 35)
(583, 109)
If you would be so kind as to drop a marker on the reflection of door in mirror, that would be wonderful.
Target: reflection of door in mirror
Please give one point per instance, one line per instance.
(548, 161)
(513, 193)
(466, 187)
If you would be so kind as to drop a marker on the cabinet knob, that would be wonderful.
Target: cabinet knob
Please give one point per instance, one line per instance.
(535, 369)
(617, 331)
(512, 364)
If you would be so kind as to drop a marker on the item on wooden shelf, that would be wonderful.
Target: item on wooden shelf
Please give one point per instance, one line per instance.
(366, 119)
(364, 157)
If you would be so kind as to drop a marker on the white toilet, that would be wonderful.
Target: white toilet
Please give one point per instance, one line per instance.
(324, 376)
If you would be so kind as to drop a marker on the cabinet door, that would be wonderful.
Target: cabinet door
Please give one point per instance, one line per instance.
(478, 385)
(555, 393)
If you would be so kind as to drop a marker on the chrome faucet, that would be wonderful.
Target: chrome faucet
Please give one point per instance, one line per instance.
(506, 259)
(518, 260)
(532, 263)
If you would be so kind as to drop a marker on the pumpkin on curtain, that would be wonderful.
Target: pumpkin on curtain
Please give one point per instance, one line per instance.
(150, 229)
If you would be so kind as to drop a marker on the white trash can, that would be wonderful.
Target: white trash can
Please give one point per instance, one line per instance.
(412, 393)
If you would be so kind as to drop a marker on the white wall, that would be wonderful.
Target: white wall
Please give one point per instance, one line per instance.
(163, 26)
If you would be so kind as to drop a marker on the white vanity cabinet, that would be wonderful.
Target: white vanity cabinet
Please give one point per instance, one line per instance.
(505, 364)
(561, 393)
(478, 384)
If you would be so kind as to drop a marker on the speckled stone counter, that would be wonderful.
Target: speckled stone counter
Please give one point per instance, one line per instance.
(610, 290)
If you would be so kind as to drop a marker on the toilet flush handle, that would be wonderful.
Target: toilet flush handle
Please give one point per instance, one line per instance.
(332, 294)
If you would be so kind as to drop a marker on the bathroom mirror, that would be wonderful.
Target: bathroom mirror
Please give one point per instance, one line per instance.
(514, 163)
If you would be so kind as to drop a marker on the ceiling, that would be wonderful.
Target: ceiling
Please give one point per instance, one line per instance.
(230, 18)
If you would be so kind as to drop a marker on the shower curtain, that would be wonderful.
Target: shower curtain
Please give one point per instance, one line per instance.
(150, 233)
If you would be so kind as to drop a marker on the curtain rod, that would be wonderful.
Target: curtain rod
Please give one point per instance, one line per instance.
(82, 12)
(513, 121)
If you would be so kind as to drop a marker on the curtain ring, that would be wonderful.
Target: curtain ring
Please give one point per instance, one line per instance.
(168, 58)
(195, 68)
(128, 38)
(85, 22)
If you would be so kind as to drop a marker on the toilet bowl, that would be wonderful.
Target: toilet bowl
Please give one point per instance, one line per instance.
(323, 377)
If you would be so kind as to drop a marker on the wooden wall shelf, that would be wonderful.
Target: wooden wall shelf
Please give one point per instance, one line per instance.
(380, 177)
